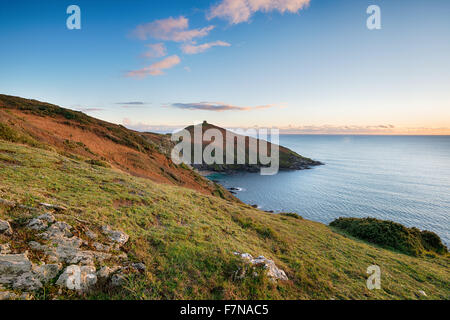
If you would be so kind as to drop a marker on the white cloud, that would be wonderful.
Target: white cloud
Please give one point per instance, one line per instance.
(237, 11)
(194, 49)
(170, 29)
(156, 69)
(156, 50)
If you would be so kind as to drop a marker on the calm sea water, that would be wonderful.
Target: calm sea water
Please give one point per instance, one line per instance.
(404, 179)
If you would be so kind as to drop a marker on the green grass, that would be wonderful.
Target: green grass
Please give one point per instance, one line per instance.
(187, 239)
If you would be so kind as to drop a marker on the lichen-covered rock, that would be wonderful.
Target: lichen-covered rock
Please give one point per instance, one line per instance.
(27, 281)
(37, 225)
(5, 248)
(78, 278)
(5, 228)
(48, 217)
(272, 270)
(16, 271)
(47, 272)
(115, 235)
(56, 230)
(105, 272)
(101, 247)
(118, 280)
(139, 266)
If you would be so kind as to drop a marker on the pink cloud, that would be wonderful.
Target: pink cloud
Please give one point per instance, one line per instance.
(216, 106)
(170, 29)
(156, 50)
(237, 11)
(194, 49)
(155, 69)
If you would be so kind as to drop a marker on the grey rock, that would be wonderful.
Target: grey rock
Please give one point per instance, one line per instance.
(58, 229)
(78, 278)
(47, 217)
(14, 264)
(91, 235)
(16, 271)
(272, 270)
(139, 266)
(52, 206)
(8, 295)
(27, 281)
(7, 203)
(37, 225)
(114, 235)
(422, 293)
(105, 272)
(101, 247)
(5, 228)
(118, 280)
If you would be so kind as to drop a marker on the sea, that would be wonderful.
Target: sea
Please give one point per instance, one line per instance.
(405, 179)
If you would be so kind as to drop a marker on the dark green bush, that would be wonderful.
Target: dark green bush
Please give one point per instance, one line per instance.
(391, 235)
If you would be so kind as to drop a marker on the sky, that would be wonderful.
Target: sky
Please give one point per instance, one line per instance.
(304, 66)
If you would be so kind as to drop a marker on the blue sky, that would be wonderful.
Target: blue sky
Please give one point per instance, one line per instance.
(312, 68)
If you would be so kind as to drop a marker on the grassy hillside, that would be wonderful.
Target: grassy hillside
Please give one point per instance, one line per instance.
(79, 136)
(187, 238)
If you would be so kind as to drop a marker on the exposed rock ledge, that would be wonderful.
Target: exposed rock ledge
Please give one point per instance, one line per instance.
(272, 271)
(64, 256)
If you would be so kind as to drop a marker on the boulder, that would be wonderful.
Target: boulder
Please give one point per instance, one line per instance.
(5, 228)
(114, 235)
(78, 278)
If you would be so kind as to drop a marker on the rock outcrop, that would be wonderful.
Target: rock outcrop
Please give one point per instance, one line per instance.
(5, 228)
(78, 260)
(272, 271)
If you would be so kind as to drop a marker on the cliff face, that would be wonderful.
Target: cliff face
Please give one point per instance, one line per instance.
(97, 142)
(288, 159)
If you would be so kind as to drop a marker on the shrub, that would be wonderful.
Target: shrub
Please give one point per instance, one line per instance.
(99, 163)
(10, 134)
(391, 235)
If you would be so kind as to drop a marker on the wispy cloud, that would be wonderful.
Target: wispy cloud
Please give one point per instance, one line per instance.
(155, 69)
(132, 103)
(156, 50)
(87, 110)
(216, 106)
(237, 11)
(194, 49)
(170, 29)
